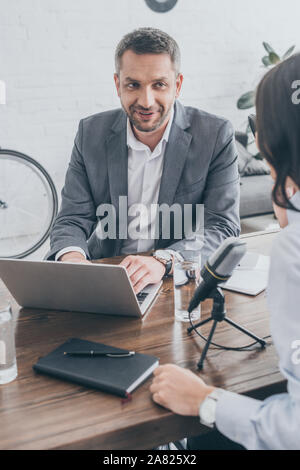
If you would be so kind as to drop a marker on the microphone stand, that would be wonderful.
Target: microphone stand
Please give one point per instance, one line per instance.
(218, 314)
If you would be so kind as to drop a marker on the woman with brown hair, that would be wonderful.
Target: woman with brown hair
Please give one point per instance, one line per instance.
(273, 423)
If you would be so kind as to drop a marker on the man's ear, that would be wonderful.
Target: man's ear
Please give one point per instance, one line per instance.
(179, 81)
(117, 83)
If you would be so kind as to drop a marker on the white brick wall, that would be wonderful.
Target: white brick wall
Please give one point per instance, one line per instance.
(56, 57)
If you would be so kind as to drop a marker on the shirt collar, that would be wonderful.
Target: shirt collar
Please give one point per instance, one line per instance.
(135, 144)
(294, 216)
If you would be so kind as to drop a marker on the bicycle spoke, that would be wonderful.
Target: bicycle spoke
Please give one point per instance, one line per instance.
(31, 200)
(26, 212)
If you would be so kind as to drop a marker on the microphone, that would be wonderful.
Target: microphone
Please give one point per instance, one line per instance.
(218, 269)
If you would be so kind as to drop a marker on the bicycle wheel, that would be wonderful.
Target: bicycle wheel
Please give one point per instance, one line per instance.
(28, 204)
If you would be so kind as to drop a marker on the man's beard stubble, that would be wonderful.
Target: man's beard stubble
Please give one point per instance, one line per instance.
(134, 122)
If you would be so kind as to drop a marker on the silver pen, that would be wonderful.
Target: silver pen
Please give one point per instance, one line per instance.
(92, 353)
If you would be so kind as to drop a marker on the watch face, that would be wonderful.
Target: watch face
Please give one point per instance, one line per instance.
(208, 410)
(161, 6)
(163, 255)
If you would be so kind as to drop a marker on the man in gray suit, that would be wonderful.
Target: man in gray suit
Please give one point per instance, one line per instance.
(154, 151)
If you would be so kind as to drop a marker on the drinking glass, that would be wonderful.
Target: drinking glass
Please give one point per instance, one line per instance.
(8, 363)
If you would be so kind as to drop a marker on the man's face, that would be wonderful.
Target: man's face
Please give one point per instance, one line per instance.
(147, 87)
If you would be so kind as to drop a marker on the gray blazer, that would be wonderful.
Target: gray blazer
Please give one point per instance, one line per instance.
(200, 167)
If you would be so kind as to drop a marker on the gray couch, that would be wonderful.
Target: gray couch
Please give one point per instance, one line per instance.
(256, 182)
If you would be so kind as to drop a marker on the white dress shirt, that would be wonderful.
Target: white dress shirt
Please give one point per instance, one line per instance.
(144, 177)
(274, 424)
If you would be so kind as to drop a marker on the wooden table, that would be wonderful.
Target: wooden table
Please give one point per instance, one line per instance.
(39, 412)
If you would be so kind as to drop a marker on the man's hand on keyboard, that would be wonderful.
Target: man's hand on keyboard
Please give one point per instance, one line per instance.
(143, 270)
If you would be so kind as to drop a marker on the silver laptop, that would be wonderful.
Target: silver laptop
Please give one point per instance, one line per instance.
(95, 288)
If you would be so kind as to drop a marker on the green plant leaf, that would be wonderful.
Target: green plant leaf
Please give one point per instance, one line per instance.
(247, 100)
(288, 52)
(266, 61)
(268, 48)
(274, 58)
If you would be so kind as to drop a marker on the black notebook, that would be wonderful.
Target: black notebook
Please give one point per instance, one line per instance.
(119, 376)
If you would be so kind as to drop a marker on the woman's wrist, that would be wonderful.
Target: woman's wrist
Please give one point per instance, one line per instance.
(204, 391)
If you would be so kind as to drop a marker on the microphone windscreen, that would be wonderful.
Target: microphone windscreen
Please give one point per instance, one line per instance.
(227, 256)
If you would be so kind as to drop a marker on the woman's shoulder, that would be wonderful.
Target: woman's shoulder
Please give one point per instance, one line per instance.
(286, 246)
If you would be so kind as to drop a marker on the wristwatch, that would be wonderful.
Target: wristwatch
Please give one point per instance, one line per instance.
(165, 258)
(207, 409)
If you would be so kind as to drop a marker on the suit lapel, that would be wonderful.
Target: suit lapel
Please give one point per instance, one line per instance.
(117, 163)
(175, 156)
(174, 161)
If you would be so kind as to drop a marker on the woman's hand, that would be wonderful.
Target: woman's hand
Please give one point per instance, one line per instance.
(179, 390)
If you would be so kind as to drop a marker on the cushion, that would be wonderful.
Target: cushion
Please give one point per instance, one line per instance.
(248, 164)
(256, 195)
(242, 138)
(244, 157)
(256, 167)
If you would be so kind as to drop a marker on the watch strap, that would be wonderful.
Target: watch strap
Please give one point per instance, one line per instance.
(168, 267)
(212, 397)
(167, 263)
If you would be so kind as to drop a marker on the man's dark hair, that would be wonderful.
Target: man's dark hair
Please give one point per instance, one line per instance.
(278, 125)
(148, 41)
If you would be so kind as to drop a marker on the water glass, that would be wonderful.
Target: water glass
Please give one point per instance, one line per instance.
(8, 364)
(186, 278)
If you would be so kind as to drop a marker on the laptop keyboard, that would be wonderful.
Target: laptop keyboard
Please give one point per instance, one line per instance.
(141, 297)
